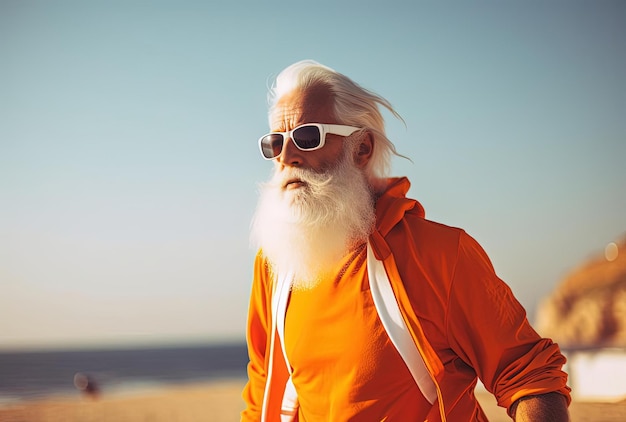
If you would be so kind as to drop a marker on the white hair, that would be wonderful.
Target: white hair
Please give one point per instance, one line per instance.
(307, 231)
(353, 106)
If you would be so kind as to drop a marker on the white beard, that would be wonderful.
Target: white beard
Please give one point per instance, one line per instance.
(308, 230)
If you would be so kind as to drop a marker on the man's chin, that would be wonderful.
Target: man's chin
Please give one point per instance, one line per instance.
(295, 196)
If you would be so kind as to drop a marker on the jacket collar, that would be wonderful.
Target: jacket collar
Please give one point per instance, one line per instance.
(391, 207)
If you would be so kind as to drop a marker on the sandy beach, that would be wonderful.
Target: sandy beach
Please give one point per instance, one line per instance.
(213, 402)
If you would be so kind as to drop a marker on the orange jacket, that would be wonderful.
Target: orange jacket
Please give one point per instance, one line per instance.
(464, 320)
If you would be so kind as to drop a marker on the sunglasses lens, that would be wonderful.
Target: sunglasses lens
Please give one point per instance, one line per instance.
(272, 145)
(307, 137)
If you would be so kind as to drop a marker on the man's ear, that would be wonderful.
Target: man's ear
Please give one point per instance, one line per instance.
(364, 150)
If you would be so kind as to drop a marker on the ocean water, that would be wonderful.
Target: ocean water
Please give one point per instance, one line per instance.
(31, 375)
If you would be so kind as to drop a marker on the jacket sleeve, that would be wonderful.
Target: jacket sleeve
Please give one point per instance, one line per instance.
(488, 329)
(257, 336)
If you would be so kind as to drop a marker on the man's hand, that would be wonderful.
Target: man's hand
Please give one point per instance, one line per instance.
(544, 407)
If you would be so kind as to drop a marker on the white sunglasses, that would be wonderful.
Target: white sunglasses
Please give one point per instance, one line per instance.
(307, 137)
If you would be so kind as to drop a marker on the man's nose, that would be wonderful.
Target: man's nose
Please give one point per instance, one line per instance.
(291, 155)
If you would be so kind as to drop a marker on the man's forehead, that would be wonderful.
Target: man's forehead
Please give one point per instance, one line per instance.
(303, 106)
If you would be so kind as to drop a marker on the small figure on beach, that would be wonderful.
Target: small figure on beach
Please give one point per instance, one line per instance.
(87, 384)
(361, 308)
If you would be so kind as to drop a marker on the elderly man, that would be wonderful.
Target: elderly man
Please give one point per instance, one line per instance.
(361, 309)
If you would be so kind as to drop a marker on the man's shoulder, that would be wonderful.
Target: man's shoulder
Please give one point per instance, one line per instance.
(429, 231)
(432, 240)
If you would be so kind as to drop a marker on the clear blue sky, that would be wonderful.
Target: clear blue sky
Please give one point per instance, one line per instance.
(129, 164)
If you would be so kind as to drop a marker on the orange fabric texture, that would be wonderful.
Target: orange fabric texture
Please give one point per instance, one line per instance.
(345, 366)
(464, 320)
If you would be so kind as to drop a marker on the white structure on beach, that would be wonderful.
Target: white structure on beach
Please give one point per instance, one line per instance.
(597, 374)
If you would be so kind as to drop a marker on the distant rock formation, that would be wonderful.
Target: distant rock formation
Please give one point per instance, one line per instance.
(588, 308)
